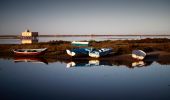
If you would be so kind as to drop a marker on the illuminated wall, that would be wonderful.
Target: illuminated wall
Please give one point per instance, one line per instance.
(27, 33)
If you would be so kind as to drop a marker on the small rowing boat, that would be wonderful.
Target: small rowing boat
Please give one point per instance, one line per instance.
(78, 52)
(79, 43)
(138, 54)
(101, 52)
(29, 52)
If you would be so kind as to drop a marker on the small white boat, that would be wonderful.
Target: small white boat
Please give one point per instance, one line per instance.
(79, 43)
(29, 52)
(138, 54)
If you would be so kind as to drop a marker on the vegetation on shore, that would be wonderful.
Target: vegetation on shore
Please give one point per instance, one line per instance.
(58, 48)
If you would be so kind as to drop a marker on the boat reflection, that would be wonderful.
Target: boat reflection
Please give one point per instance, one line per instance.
(139, 63)
(88, 63)
(85, 63)
(29, 40)
(116, 61)
(93, 63)
(30, 59)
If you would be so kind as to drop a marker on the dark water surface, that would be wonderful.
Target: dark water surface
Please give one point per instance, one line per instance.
(83, 81)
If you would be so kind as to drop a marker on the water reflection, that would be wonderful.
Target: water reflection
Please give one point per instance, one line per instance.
(30, 59)
(88, 63)
(27, 81)
(125, 61)
(142, 63)
(29, 40)
(139, 63)
(94, 63)
(114, 61)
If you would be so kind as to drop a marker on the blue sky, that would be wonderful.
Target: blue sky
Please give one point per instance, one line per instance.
(85, 16)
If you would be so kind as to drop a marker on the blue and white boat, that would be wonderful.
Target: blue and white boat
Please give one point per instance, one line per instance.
(79, 52)
(91, 52)
(101, 52)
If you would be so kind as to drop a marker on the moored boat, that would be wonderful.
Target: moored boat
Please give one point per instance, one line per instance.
(29, 52)
(78, 52)
(138, 54)
(79, 43)
(101, 52)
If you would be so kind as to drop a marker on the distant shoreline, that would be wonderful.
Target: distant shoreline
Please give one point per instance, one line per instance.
(93, 35)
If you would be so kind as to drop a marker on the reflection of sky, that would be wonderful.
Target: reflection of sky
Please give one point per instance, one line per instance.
(55, 81)
(85, 16)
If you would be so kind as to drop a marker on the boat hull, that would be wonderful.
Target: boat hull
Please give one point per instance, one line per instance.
(100, 53)
(25, 53)
(138, 54)
(79, 52)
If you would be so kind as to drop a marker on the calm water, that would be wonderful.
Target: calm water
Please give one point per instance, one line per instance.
(100, 38)
(93, 80)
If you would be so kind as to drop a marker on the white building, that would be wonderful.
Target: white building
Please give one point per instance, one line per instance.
(28, 34)
(28, 37)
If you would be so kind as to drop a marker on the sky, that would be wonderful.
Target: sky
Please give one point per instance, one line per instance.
(85, 16)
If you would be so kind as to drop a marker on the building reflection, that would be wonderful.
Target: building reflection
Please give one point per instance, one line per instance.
(29, 40)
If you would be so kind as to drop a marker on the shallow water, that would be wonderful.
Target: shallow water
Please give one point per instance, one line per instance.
(83, 80)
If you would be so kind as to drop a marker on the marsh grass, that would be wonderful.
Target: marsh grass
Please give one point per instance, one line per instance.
(57, 48)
